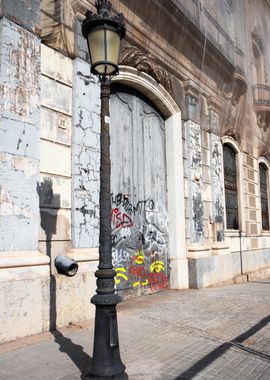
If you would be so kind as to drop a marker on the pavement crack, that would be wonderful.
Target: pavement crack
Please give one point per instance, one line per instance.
(249, 350)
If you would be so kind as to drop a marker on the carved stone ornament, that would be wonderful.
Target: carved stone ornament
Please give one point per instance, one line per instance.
(261, 102)
(132, 56)
(263, 119)
(236, 88)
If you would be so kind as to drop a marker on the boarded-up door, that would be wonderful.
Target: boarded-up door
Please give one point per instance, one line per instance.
(139, 194)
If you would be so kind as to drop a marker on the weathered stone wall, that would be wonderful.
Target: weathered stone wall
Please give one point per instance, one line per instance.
(217, 71)
(85, 157)
(55, 152)
(19, 136)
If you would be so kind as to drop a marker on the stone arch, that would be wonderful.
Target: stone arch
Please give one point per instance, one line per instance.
(158, 95)
(149, 87)
(231, 141)
(264, 161)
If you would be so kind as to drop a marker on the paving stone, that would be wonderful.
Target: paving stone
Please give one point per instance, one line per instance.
(166, 336)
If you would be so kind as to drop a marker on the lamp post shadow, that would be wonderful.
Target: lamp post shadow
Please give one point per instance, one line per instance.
(49, 207)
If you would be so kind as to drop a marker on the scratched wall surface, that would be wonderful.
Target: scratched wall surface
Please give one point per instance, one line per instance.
(139, 194)
(195, 181)
(85, 157)
(217, 185)
(19, 136)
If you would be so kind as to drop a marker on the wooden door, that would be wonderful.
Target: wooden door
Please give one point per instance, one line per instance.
(139, 194)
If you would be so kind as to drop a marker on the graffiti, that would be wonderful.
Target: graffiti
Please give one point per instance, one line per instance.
(153, 234)
(119, 219)
(120, 273)
(140, 275)
(157, 266)
(138, 283)
(141, 206)
(139, 241)
(120, 256)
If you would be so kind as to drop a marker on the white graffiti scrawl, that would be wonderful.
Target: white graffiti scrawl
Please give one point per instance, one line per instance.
(139, 239)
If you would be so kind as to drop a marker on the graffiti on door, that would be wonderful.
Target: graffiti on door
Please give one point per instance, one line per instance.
(140, 242)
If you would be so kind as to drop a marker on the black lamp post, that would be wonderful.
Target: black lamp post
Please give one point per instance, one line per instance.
(103, 33)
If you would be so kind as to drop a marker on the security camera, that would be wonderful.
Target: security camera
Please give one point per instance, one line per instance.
(66, 266)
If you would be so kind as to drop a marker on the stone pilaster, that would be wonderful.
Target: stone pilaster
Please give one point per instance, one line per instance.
(85, 157)
(194, 173)
(217, 178)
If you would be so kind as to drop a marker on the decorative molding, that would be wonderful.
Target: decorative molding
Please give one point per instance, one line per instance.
(229, 139)
(12, 259)
(263, 118)
(83, 254)
(80, 7)
(261, 102)
(214, 103)
(256, 38)
(148, 86)
(263, 160)
(192, 100)
(236, 88)
(134, 57)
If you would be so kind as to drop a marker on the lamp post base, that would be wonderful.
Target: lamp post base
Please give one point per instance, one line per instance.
(106, 362)
(122, 376)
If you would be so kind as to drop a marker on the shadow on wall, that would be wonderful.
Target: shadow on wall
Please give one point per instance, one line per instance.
(49, 207)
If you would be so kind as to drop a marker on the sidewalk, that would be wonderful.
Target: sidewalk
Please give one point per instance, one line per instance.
(215, 333)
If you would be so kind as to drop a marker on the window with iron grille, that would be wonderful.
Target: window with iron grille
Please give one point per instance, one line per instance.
(230, 184)
(264, 196)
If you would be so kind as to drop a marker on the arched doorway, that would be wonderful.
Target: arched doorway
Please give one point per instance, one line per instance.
(139, 193)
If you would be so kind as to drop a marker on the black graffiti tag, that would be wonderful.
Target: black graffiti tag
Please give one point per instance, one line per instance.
(141, 206)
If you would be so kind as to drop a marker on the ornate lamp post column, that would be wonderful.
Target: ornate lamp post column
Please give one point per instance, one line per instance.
(103, 33)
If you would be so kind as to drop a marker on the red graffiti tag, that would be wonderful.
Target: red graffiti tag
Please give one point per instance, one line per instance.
(119, 219)
(158, 281)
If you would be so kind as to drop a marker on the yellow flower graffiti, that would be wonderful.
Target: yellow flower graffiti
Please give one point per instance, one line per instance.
(120, 273)
(139, 257)
(157, 266)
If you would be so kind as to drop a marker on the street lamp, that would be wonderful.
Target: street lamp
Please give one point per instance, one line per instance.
(103, 32)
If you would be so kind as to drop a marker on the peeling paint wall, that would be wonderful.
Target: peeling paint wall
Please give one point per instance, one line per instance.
(19, 136)
(85, 157)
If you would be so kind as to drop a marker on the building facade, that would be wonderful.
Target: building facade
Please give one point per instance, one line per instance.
(190, 111)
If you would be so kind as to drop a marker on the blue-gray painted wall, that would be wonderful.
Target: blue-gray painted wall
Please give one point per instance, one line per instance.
(19, 136)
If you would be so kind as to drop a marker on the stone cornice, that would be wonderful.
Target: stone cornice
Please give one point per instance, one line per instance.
(214, 104)
(81, 6)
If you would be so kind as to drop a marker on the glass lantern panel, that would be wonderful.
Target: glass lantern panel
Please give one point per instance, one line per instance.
(113, 47)
(96, 40)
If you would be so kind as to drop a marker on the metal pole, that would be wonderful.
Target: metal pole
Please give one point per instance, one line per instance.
(106, 362)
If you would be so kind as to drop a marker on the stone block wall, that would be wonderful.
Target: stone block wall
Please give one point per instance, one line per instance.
(54, 186)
